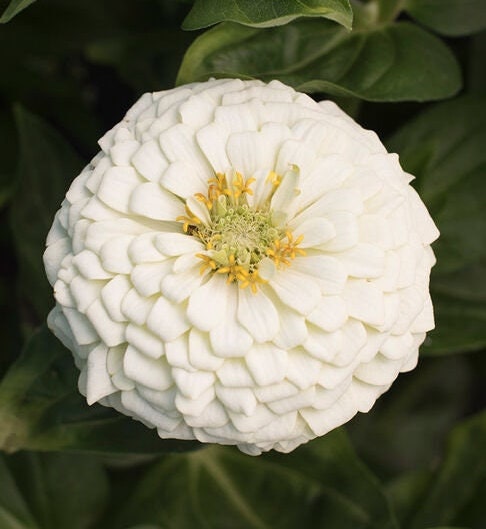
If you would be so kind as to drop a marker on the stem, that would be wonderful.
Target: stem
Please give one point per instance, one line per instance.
(388, 10)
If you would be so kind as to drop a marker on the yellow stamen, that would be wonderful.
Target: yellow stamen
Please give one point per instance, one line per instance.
(189, 220)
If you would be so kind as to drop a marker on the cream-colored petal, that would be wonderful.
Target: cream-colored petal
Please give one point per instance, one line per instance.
(258, 315)
(167, 320)
(98, 382)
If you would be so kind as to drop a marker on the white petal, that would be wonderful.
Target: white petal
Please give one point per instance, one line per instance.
(292, 331)
(207, 304)
(422, 220)
(151, 201)
(275, 392)
(327, 397)
(96, 210)
(285, 193)
(258, 315)
(145, 341)
(240, 117)
(179, 144)
(364, 260)
(365, 395)
(117, 186)
(173, 244)
(143, 250)
(323, 345)
(365, 302)
(424, 322)
(197, 110)
(334, 201)
(184, 180)
(296, 402)
(267, 363)
(259, 418)
(410, 257)
(302, 370)
(79, 235)
(201, 355)
(53, 257)
(327, 271)
(323, 421)
(347, 231)
(178, 287)
(213, 416)
(316, 231)
(150, 372)
(163, 400)
(122, 151)
(167, 320)
(114, 359)
(280, 428)
(196, 406)
(112, 296)
(238, 400)
(380, 371)
(81, 328)
(149, 161)
(212, 140)
(135, 307)
(114, 255)
(234, 373)
(296, 290)
(354, 337)
(100, 232)
(111, 332)
(98, 383)
(62, 294)
(141, 409)
(328, 173)
(192, 385)
(374, 229)
(229, 338)
(329, 314)
(89, 265)
(84, 291)
(147, 278)
(388, 282)
(412, 302)
(396, 347)
(293, 152)
(177, 353)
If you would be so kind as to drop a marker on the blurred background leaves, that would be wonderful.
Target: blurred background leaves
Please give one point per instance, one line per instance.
(70, 69)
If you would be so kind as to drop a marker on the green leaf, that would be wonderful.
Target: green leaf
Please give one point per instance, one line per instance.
(41, 409)
(444, 148)
(395, 62)
(460, 326)
(458, 477)
(47, 165)
(265, 14)
(61, 491)
(14, 512)
(449, 17)
(322, 484)
(413, 418)
(14, 8)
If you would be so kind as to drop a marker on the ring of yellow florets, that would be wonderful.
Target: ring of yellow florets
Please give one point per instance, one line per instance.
(239, 236)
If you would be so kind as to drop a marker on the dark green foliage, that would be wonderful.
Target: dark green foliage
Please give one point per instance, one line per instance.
(69, 72)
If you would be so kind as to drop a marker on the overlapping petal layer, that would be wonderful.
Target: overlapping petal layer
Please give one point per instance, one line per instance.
(186, 349)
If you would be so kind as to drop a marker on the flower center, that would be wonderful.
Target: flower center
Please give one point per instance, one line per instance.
(238, 238)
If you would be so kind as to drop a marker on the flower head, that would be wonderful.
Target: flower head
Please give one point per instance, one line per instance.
(240, 265)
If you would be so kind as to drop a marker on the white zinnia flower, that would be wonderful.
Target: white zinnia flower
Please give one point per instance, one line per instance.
(240, 265)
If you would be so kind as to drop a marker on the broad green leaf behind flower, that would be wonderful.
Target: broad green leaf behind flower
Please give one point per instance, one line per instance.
(393, 62)
(266, 14)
